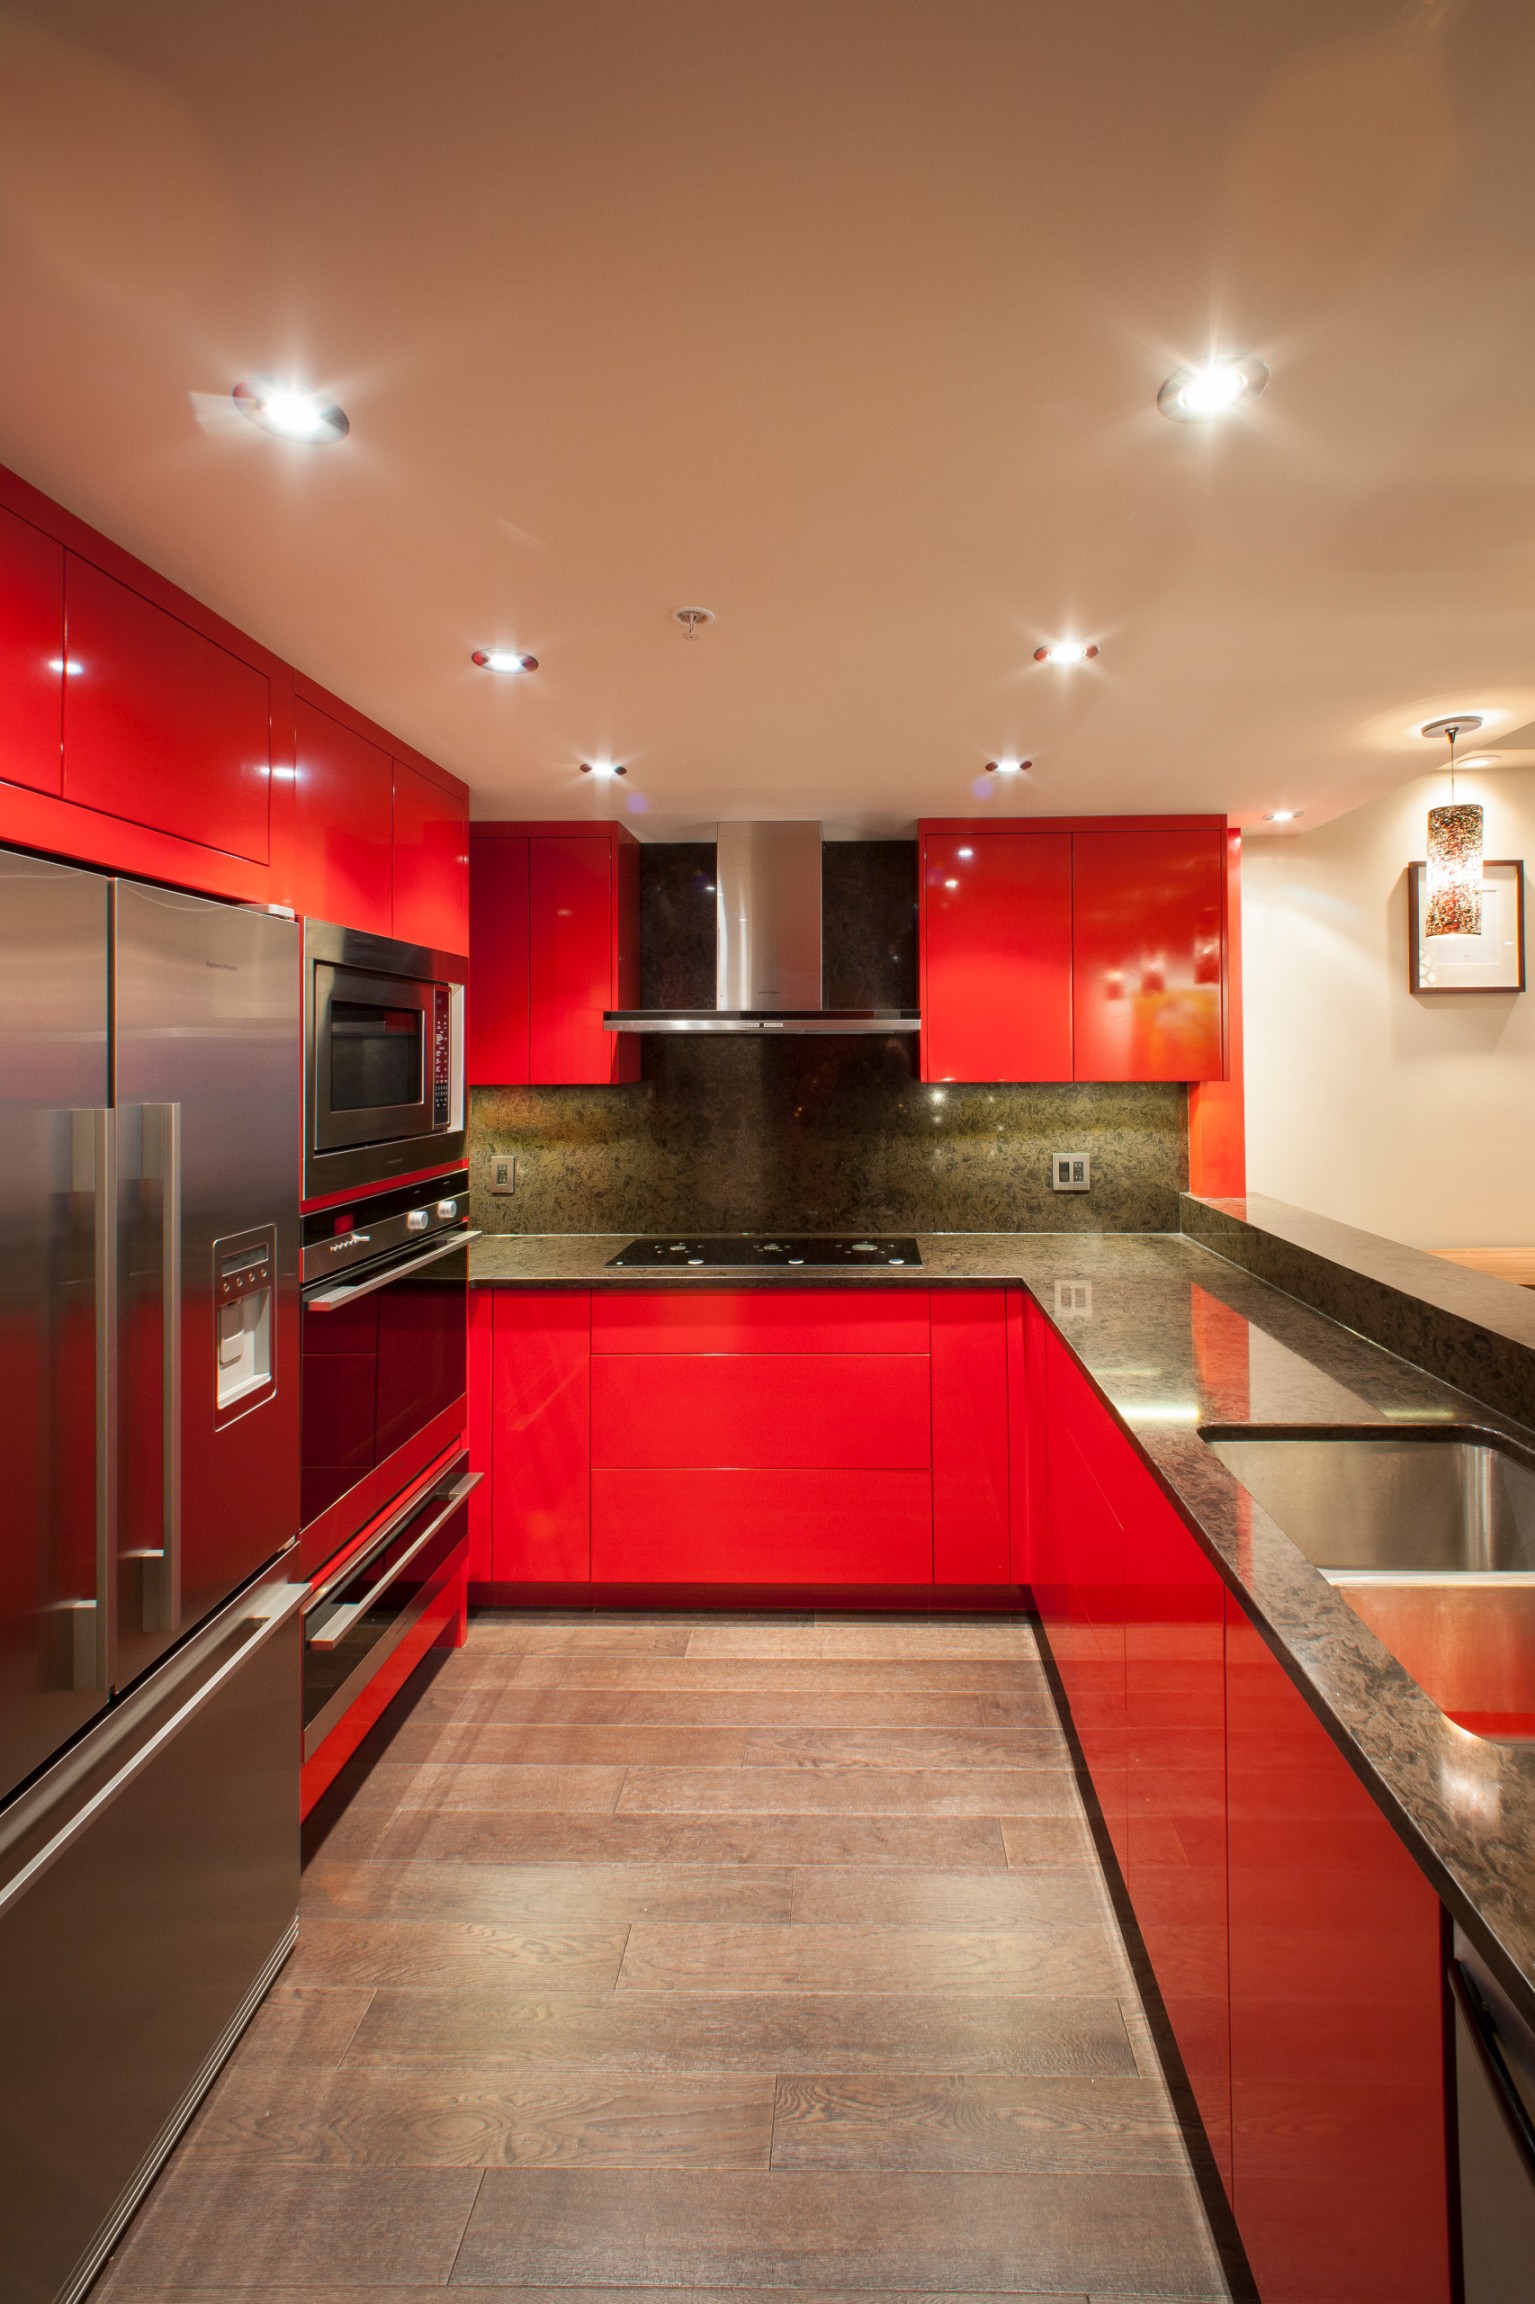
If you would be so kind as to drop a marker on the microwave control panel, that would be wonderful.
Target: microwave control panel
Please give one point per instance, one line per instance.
(442, 1055)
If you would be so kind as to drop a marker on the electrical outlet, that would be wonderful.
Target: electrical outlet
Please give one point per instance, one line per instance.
(503, 1173)
(1071, 1172)
(1073, 1299)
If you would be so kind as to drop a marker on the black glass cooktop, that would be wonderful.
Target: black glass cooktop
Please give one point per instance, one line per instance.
(779, 1251)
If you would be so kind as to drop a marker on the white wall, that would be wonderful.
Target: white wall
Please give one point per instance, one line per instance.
(1413, 1116)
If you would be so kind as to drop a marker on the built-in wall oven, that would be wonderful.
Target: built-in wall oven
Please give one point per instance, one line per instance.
(384, 1059)
(384, 1343)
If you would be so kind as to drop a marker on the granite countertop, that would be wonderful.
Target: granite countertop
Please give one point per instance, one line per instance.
(1176, 1337)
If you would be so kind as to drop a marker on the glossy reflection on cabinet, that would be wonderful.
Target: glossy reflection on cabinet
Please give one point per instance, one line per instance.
(1147, 913)
(31, 655)
(996, 956)
(342, 806)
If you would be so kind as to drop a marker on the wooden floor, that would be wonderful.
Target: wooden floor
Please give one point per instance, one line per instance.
(697, 1954)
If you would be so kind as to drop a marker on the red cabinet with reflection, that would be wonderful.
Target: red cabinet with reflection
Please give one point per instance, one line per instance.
(31, 655)
(162, 725)
(1082, 948)
(431, 860)
(554, 940)
(496, 1032)
(1337, 2045)
(343, 812)
(996, 956)
(1147, 939)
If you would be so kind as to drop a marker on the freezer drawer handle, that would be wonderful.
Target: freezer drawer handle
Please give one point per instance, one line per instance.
(275, 1605)
(346, 1291)
(1484, 2033)
(333, 1629)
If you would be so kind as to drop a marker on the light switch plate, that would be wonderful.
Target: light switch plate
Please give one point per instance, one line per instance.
(1071, 1172)
(503, 1173)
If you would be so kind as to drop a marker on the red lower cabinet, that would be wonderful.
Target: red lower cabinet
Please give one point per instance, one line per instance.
(540, 1424)
(1088, 1542)
(971, 1521)
(723, 1525)
(1337, 2058)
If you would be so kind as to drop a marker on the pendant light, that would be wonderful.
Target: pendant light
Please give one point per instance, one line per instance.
(1454, 849)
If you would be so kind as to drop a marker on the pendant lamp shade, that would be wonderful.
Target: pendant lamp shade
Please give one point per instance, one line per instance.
(1454, 872)
(1454, 847)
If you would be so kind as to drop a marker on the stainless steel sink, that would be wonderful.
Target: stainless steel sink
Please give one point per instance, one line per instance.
(1430, 1537)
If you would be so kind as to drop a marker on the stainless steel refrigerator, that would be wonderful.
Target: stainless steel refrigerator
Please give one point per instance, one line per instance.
(149, 1483)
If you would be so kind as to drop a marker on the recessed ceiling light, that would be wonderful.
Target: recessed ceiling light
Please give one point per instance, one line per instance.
(290, 413)
(1212, 388)
(601, 768)
(1282, 815)
(1007, 767)
(1472, 759)
(503, 660)
(1065, 652)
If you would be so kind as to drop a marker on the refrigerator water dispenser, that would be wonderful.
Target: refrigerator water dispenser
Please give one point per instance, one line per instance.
(242, 1284)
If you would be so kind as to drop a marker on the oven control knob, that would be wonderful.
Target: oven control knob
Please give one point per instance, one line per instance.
(447, 1210)
(417, 1220)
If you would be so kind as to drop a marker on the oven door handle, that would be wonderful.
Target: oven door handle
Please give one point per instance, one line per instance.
(339, 1622)
(348, 1291)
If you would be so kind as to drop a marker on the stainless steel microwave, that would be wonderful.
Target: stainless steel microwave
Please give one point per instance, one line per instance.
(383, 1059)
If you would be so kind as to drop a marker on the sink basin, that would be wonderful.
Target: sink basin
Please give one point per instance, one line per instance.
(1430, 1537)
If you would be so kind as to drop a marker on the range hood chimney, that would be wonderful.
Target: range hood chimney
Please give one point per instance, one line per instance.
(768, 962)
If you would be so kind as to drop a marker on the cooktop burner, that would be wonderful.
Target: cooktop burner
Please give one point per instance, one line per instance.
(781, 1251)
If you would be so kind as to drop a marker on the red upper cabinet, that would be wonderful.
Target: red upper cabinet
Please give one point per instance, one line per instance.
(31, 655)
(1066, 949)
(431, 860)
(161, 724)
(343, 806)
(996, 956)
(1147, 945)
(497, 1033)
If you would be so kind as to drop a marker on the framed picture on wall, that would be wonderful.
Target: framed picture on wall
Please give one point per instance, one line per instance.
(1491, 962)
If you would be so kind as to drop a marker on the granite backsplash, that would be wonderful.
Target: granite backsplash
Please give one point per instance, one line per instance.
(736, 1134)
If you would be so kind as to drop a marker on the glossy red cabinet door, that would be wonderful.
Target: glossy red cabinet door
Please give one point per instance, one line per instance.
(970, 1436)
(996, 956)
(31, 656)
(720, 1525)
(497, 1029)
(343, 806)
(781, 1411)
(761, 1320)
(571, 901)
(540, 1436)
(1147, 934)
(1088, 1539)
(161, 725)
(1175, 1707)
(1337, 2045)
(431, 862)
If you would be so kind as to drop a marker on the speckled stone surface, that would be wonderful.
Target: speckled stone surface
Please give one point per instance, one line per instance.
(1176, 1337)
(1474, 1331)
(821, 1135)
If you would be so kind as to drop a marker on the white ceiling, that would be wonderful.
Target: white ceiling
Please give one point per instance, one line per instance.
(844, 318)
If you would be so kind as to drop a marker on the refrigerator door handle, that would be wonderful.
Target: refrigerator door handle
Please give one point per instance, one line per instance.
(165, 1119)
(94, 1161)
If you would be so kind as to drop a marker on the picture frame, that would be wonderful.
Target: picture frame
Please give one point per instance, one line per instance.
(1491, 962)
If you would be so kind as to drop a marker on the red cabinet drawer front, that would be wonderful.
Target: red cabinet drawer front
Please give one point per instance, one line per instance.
(342, 808)
(497, 1029)
(690, 1527)
(31, 655)
(1148, 954)
(431, 862)
(808, 1410)
(571, 947)
(797, 1320)
(161, 725)
(996, 956)
(540, 1417)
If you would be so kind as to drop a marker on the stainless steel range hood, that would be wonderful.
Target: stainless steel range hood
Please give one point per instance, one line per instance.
(768, 970)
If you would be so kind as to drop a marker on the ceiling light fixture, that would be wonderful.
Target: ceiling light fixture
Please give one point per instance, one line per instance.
(1212, 388)
(1481, 760)
(1281, 815)
(503, 660)
(1065, 652)
(1007, 767)
(601, 768)
(290, 413)
(1454, 848)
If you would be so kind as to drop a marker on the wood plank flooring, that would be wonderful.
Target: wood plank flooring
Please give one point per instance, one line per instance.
(714, 1956)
